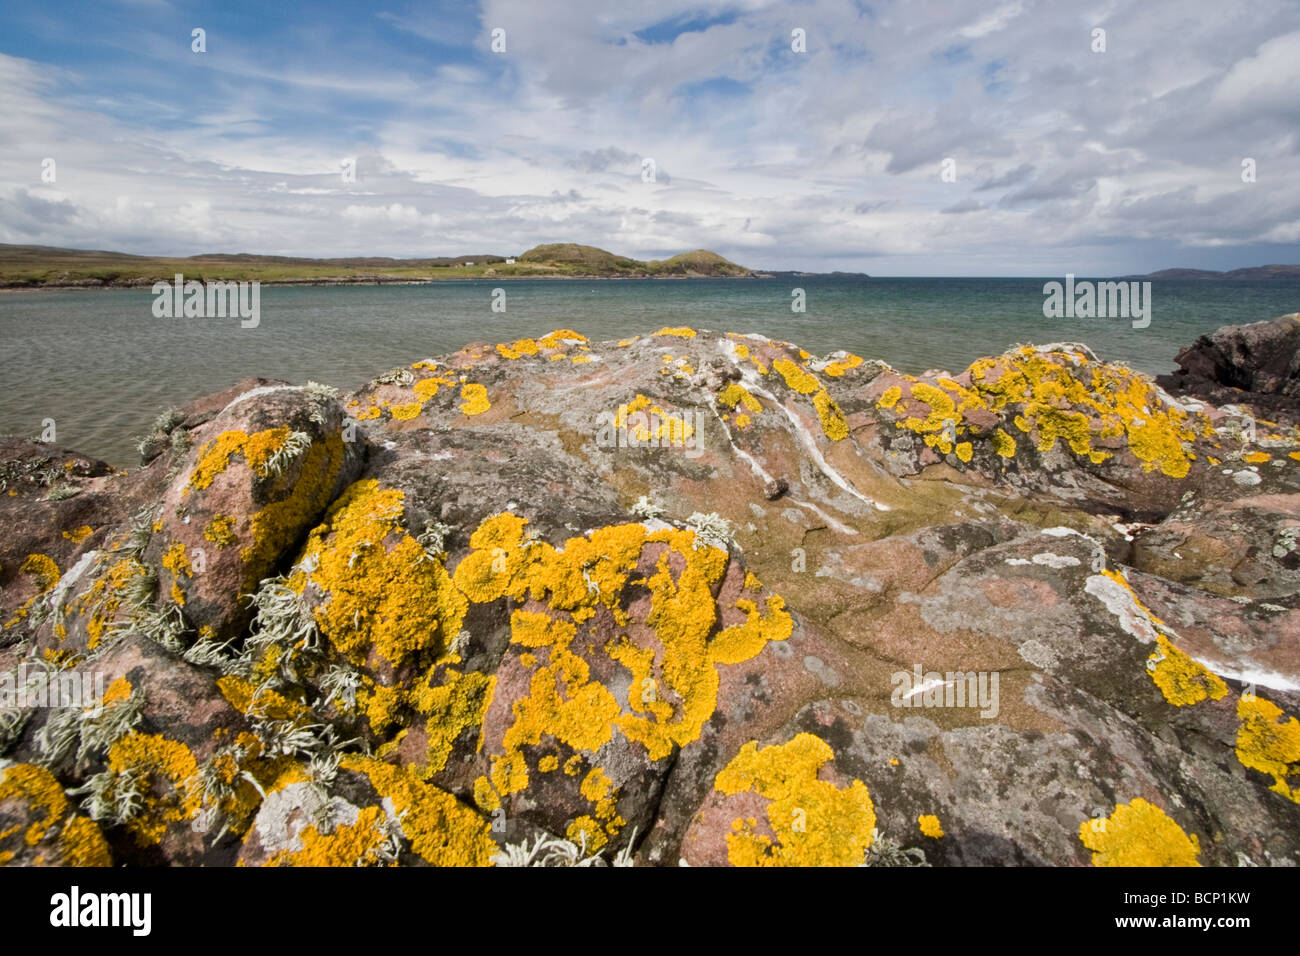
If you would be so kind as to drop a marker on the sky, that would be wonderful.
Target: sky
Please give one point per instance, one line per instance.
(928, 137)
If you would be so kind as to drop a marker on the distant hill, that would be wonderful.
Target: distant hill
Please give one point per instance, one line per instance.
(1253, 272)
(588, 260)
(37, 266)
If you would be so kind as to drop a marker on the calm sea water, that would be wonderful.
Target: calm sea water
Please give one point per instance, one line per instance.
(102, 366)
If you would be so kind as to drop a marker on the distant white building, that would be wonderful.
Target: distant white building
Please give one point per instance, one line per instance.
(510, 262)
(469, 263)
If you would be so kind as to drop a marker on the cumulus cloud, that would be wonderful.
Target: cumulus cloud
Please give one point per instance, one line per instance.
(831, 159)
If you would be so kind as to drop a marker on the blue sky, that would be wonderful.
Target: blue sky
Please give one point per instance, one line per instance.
(1066, 159)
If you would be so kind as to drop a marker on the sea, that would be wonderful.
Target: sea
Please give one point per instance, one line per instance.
(102, 366)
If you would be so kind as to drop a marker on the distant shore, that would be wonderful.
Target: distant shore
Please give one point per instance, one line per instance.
(99, 286)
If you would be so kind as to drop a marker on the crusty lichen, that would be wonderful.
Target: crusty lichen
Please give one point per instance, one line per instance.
(930, 825)
(441, 830)
(168, 770)
(58, 837)
(1054, 398)
(1182, 680)
(474, 399)
(256, 449)
(1138, 834)
(813, 822)
(1268, 744)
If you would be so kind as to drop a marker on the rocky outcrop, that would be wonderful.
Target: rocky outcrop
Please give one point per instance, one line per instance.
(1256, 366)
(686, 597)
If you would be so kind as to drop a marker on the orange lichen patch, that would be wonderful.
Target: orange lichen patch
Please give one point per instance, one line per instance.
(1256, 457)
(453, 705)
(383, 593)
(581, 359)
(474, 399)
(1182, 680)
(360, 843)
(833, 422)
(42, 570)
(518, 348)
(593, 571)
(406, 412)
(1058, 397)
(77, 841)
(734, 395)
(177, 562)
(681, 331)
(814, 822)
(837, 368)
(654, 424)
(426, 388)
(1268, 744)
(279, 524)
(889, 397)
(221, 531)
(168, 770)
(81, 843)
(797, 377)
(561, 337)
(930, 825)
(1295, 455)
(965, 450)
(256, 449)
(37, 788)
(78, 535)
(1138, 834)
(1003, 443)
(374, 411)
(442, 831)
(119, 690)
(103, 599)
(262, 702)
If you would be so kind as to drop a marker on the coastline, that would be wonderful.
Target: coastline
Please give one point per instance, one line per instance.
(97, 286)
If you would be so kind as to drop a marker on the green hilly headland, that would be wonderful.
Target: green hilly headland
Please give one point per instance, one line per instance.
(47, 266)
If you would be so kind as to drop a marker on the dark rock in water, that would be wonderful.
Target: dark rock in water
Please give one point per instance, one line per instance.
(687, 597)
(1256, 365)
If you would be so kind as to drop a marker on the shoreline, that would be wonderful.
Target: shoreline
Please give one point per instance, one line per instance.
(92, 286)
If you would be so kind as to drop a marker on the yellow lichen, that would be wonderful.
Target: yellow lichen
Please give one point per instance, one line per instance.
(78, 535)
(168, 770)
(796, 376)
(837, 368)
(360, 843)
(680, 331)
(1267, 744)
(474, 399)
(442, 830)
(1182, 680)
(42, 569)
(390, 599)
(406, 412)
(221, 531)
(889, 397)
(1138, 834)
(930, 825)
(256, 449)
(833, 422)
(814, 822)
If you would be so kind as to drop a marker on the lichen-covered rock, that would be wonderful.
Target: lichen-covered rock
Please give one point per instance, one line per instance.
(258, 476)
(687, 597)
